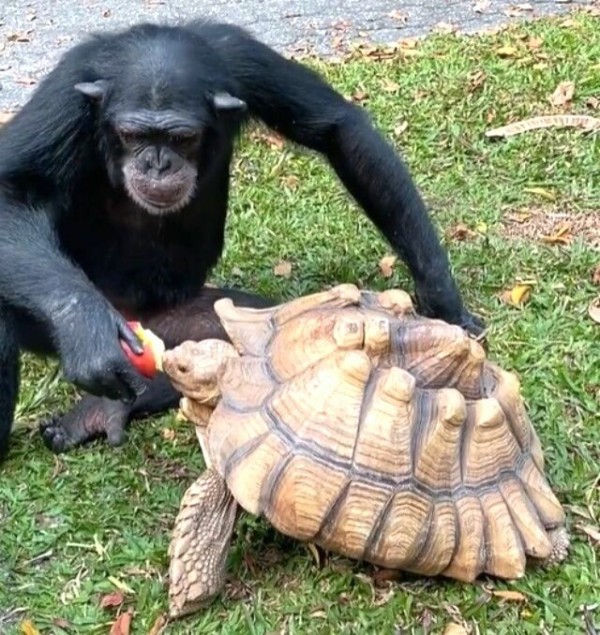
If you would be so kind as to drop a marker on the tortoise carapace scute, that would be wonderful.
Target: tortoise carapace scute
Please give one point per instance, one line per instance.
(348, 420)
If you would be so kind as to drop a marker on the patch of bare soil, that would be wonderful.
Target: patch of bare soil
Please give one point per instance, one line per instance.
(558, 227)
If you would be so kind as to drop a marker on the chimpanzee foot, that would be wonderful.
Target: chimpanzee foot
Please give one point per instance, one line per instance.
(90, 418)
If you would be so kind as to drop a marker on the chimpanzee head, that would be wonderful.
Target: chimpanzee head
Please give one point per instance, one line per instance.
(156, 119)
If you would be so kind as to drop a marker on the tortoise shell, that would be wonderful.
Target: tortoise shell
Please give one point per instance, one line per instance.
(348, 420)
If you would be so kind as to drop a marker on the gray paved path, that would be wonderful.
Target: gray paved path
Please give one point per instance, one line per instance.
(33, 33)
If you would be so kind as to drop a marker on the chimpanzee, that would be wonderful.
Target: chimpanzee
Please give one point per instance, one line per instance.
(114, 183)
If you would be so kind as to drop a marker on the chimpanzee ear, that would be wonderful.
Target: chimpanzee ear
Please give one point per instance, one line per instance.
(94, 90)
(226, 104)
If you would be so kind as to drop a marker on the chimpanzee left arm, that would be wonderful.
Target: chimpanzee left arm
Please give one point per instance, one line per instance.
(299, 104)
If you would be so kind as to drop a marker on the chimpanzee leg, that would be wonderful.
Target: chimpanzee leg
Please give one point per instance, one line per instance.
(9, 375)
(93, 417)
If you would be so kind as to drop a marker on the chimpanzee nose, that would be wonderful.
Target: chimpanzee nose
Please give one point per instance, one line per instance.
(153, 159)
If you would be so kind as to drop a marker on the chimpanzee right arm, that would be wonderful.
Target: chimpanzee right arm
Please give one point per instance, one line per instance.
(40, 280)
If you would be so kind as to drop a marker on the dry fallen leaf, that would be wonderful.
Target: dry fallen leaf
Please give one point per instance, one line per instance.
(592, 532)
(596, 275)
(291, 181)
(112, 599)
(359, 96)
(534, 43)
(386, 575)
(562, 235)
(283, 269)
(389, 86)
(159, 625)
(562, 94)
(594, 310)
(507, 51)
(168, 434)
(455, 629)
(476, 80)
(518, 295)
(400, 128)
(540, 191)
(122, 625)
(460, 232)
(28, 628)
(386, 266)
(520, 216)
(510, 596)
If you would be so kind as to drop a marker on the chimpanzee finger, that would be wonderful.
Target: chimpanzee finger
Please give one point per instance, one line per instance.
(135, 384)
(130, 338)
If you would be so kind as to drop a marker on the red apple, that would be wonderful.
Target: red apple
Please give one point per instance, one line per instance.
(151, 359)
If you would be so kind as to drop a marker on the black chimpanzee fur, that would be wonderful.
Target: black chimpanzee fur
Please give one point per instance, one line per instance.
(113, 195)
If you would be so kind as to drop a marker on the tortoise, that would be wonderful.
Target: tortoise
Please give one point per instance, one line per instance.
(349, 421)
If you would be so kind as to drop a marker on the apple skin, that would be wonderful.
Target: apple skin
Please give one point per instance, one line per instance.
(150, 361)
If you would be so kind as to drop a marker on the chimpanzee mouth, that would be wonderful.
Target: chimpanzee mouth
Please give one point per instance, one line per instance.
(160, 197)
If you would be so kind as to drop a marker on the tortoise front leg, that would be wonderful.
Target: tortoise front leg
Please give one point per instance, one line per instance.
(200, 544)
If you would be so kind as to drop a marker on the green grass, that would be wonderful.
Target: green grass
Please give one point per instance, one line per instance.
(98, 513)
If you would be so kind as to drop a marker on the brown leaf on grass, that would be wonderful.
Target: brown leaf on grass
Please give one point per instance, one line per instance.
(386, 266)
(534, 43)
(111, 600)
(386, 575)
(460, 232)
(168, 434)
(453, 628)
(27, 628)
(360, 96)
(591, 531)
(507, 51)
(518, 295)
(541, 191)
(510, 596)
(291, 181)
(563, 94)
(389, 86)
(594, 310)
(595, 276)
(593, 102)
(159, 625)
(400, 128)
(283, 269)
(561, 236)
(519, 216)
(476, 80)
(122, 625)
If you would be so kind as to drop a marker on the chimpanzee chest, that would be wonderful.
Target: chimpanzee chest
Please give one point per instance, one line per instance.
(140, 261)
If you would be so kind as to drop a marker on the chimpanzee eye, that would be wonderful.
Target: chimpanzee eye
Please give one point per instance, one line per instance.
(128, 136)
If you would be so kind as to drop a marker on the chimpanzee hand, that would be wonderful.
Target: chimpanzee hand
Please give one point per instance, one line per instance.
(443, 302)
(91, 353)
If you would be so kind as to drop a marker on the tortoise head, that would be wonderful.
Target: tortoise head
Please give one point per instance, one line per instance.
(193, 368)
